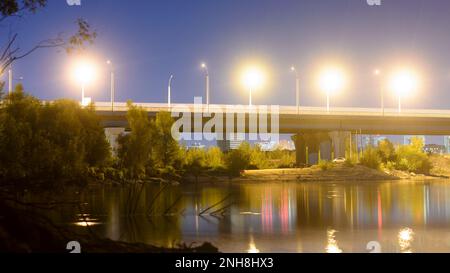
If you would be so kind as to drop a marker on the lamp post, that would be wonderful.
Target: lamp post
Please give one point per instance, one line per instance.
(403, 83)
(113, 84)
(252, 79)
(331, 81)
(297, 88)
(169, 87)
(205, 68)
(84, 74)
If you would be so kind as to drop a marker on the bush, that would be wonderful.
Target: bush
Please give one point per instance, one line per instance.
(214, 158)
(325, 165)
(371, 158)
(386, 151)
(58, 140)
(237, 160)
(412, 158)
(349, 163)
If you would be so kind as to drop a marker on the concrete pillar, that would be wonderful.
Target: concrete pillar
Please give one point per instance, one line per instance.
(300, 149)
(111, 135)
(309, 145)
(340, 141)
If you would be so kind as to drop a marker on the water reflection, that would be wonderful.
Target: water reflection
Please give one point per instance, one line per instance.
(252, 247)
(405, 238)
(286, 217)
(332, 244)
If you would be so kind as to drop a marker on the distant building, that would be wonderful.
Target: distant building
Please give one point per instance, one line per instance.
(434, 149)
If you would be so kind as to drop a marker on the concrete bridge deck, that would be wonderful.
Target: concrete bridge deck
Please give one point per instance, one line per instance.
(311, 119)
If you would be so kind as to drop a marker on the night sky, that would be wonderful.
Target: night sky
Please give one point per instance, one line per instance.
(149, 40)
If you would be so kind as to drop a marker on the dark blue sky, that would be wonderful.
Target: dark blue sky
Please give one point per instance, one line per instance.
(149, 40)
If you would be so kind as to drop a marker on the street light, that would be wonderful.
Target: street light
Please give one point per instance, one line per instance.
(403, 83)
(113, 85)
(297, 88)
(84, 74)
(377, 74)
(169, 87)
(253, 78)
(331, 81)
(205, 68)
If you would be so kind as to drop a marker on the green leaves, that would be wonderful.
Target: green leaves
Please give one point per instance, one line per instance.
(58, 140)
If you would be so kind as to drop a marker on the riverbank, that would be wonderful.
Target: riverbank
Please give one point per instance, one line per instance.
(338, 172)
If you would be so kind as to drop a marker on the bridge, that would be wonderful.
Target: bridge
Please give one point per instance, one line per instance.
(318, 133)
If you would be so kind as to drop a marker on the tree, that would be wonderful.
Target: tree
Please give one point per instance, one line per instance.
(11, 52)
(371, 158)
(238, 160)
(386, 151)
(195, 162)
(51, 141)
(135, 148)
(214, 158)
(166, 151)
(412, 157)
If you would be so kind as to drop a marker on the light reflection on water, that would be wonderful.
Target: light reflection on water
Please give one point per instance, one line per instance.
(281, 217)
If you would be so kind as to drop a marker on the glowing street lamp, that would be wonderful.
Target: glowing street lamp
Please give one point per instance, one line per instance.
(205, 68)
(331, 81)
(297, 88)
(403, 83)
(253, 78)
(377, 73)
(84, 74)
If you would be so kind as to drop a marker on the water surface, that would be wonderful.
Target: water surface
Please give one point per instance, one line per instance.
(402, 216)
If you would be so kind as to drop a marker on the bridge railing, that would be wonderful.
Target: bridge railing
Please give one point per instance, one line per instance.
(282, 110)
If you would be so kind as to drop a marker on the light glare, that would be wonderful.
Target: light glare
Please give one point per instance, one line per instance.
(332, 80)
(404, 83)
(253, 78)
(84, 72)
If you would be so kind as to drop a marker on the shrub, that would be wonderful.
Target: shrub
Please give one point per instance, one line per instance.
(412, 158)
(325, 165)
(237, 161)
(386, 151)
(371, 158)
(349, 163)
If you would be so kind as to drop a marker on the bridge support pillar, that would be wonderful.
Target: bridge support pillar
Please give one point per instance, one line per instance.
(340, 140)
(111, 135)
(311, 148)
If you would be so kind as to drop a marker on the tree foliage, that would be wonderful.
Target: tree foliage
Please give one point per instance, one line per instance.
(412, 157)
(58, 140)
(149, 149)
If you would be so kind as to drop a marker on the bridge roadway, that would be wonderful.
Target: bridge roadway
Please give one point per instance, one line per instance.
(311, 119)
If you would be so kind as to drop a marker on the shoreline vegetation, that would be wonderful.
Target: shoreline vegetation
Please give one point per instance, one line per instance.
(50, 146)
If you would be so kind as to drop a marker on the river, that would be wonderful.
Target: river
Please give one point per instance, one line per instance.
(397, 216)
